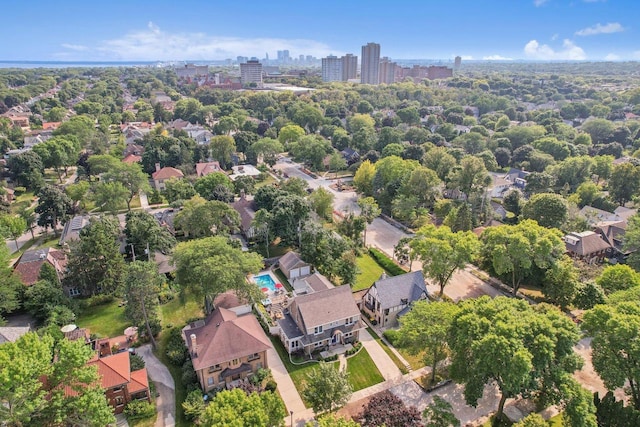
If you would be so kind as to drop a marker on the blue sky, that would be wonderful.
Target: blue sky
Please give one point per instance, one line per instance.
(130, 30)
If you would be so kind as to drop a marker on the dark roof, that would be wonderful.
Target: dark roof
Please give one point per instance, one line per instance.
(291, 260)
(612, 232)
(30, 263)
(585, 243)
(392, 290)
(245, 208)
(72, 228)
(12, 333)
(223, 337)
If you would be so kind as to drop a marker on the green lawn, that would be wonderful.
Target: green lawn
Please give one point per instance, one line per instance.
(387, 350)
(268, 181)
(106, 320)
(416, 362)
(283, 279)
(176, 313)
(370, 271)
(362, 371)
(21, 202)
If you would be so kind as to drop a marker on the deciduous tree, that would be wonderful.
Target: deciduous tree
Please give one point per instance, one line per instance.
(326, 388)
(439, 413)
(547, 209)
(53, 206)
(144, 232)
(386, 409)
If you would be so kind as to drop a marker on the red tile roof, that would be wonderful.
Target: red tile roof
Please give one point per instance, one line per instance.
(132, 158)
(50, 125)
(114, 370)
(204, 169)
(139, 381)
(30, 263)
(167, 172)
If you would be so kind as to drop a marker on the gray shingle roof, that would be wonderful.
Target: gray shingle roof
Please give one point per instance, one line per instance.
(320, 308)
(392, 290)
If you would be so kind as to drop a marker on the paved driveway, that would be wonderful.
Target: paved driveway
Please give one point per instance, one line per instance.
(160, 375)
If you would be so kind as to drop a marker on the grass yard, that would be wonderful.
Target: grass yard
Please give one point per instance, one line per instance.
(268, 181)
(370, 271)
(148, 422)
(22, 202)
(283, 279)
(106, 320)
(387, 350)
(416, 362)
(175, 314)
(362, 371)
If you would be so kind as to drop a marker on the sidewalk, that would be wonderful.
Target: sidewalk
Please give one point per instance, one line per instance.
(380, 358)
(286, 388)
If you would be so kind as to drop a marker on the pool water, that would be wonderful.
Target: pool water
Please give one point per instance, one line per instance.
(265, 281)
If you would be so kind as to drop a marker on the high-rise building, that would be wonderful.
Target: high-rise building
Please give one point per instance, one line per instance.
(283, 56)
(349, 67)
(369, 71)
(457, 62)
(331, 69)
(251, 72)
(387, 71)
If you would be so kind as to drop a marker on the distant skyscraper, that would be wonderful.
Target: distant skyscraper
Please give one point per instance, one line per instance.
(349, 67)
(457, 62)
(251, 72)
(369, 70)
(387, 71)
(331, 69)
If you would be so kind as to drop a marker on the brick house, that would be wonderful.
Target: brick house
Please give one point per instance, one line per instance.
(226, 348)
(163, 174)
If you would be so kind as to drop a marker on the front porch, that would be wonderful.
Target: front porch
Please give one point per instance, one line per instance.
(336, 350)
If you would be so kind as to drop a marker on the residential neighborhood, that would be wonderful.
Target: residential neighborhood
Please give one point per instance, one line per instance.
(353, 240)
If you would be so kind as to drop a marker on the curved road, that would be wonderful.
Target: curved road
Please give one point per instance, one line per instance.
(160, 375)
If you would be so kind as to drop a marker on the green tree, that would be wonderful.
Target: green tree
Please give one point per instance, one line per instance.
(261, 223)
(425, 329)
(599, 129)
(547, 209)
(78, 192)
(520, 348)
(337, 163)
(266, 149)
(110, 196)
(12, 226)
(618, 278)
(561, 282)
(95, 264)
(326, 388)
(514, 251)
(439, 160)
(211, 266)
(439, 413)
(234, 408)
(142, 285)
(471, 177)
(202, 218)
(53, 207)
(59, 153)
(331, 420)
(363, 179)
(632, 241)
(513, 202)
(222, 148)
(616, 330)
(442, 252)
(290, 134)
(132, 178)
(206, 185)
(288, 215)
(532, 420)
(369, 210)
(322, 203)
(144, 232)
(10, 285)
(178, 189)
(624, 182)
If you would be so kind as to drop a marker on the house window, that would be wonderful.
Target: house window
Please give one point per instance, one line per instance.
(348, 334)
(210, 381)
(117, 389)
(386, 311)
(254, 356)
(317, 344)
(74, 292)
(214, 368)
(317, 330)
(119, 401)
(235, 361)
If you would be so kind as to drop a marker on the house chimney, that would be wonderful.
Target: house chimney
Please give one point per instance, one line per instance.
(194, 351)
(157, 167)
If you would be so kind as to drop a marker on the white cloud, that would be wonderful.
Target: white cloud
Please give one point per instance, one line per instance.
(569, 51)
(153, 44)
(466, 57)
(612, 57)
(496, 58)
(76, 47)
(635, 55)
(611, 27)
(539, 3)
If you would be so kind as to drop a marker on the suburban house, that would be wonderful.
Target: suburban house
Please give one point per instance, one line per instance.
(131, 159)
(587, 246)
(163, 174)
(500, 186)
(350, 155)
(226, 348)
(31, 262)
(71, 230)
(245, 209)
(312, 283)
(595, 215)
(120, 384)
(12, 333)
(612, 232)
(204, 169)
(518, 177)
(391, 297)
(321, 319)
(292, 266)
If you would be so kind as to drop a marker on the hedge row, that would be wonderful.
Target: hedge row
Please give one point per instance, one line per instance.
(383, 261)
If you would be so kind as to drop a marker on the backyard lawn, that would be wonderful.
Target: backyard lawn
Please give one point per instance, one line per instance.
(370, 271)
(362, 371)
(106, 320)
(21, 202)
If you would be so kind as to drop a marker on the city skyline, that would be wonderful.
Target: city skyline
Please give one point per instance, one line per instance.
(540, 30)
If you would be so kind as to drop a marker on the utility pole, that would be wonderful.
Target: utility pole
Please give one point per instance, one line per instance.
(133, 252)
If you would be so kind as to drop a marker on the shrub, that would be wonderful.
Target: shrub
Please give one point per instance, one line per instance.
(135, 362)
(386, 263)
(96, 300)
(193, 405)
(189, 376)
(19, 190)
(139, 410)
(391, 335)
(271, 386)
(176, 350)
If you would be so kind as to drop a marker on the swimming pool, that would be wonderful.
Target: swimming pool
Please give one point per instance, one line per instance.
(265, 281)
